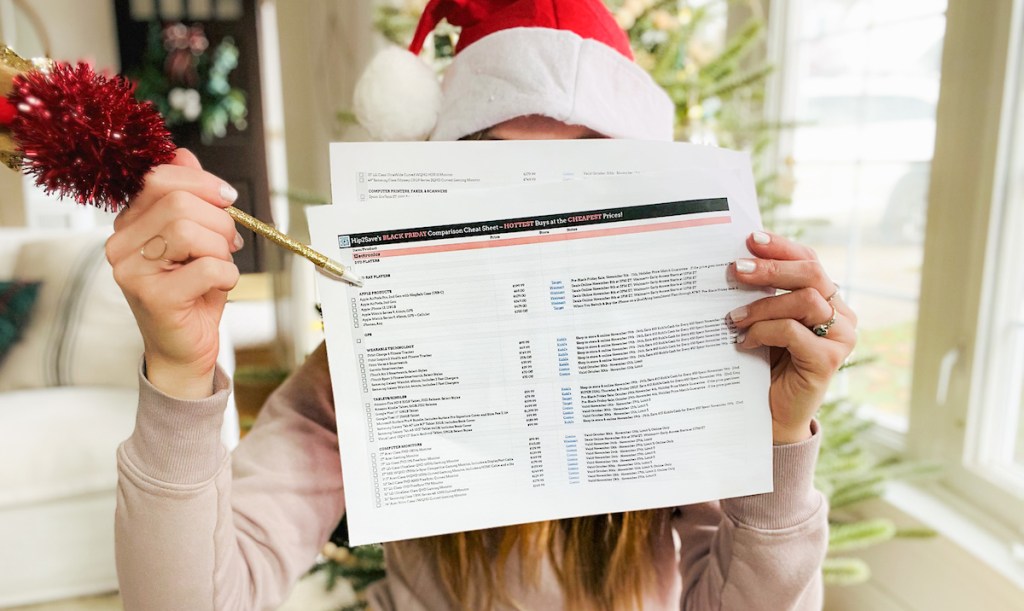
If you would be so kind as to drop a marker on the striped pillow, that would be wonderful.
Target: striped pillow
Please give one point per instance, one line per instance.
(16, 301)
(82, 332)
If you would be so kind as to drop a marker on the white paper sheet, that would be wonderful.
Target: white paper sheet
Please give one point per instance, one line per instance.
(543, 351)
(370, 172)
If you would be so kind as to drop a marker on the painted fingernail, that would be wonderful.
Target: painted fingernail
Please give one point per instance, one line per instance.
(739, 313)
(761, 237)
(745, 266)
(228, 193)
(239, 242)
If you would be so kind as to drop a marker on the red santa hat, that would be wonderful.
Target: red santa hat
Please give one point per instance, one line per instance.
(564, 59)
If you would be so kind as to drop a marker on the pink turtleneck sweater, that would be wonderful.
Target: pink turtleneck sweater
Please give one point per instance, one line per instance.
(201, 529)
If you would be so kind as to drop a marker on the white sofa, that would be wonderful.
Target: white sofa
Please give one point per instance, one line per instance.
(68, 395)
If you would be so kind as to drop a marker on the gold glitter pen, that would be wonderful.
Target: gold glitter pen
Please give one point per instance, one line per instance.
(328, 266)
(12, 65)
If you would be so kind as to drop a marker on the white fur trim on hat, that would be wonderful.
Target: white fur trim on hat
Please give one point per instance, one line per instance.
(555, 73)
(398, 97)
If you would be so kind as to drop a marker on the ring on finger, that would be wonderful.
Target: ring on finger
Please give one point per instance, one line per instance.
(822, 329)
(834, 294)
(149, 254)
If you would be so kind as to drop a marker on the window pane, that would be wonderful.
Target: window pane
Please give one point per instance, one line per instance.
(200, 10)
(888, 11)
(998, 435)
(172, 10)
(1003, 399)
(228, 10)
(830, 16)
(142, 10)
(1016, 296)
(866, 82)
(1019, 451)
(1011, 287)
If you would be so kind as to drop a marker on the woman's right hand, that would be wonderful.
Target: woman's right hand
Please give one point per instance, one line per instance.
(171, 253)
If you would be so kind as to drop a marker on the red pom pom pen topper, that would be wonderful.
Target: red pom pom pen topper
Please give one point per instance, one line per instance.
(84, 136)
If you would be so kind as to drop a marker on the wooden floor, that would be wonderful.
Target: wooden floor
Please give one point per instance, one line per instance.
(310, 594)
(257, 374)
(111, 602)
(258, 369)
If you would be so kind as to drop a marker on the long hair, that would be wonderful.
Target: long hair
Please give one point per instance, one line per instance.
(602, 562)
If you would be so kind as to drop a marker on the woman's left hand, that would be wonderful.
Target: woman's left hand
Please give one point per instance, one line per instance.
(803, 362)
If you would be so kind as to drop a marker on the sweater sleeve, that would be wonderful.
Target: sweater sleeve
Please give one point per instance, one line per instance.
(763, 551)
(197, 528)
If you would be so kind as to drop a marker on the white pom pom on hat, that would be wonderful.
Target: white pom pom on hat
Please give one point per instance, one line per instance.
(565, 59)
(398, 97)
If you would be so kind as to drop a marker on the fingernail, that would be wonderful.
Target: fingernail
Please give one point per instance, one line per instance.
(739, 313)
(761, 237)
(239, 242)
(741, 337)
(745, 266)
(228, 193)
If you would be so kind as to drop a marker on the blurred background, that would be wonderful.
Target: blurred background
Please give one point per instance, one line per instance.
(887, 135)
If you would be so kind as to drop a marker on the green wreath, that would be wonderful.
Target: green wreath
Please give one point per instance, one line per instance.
(188, 82)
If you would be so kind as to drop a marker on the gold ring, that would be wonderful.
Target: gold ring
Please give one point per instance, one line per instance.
(157, 257)
(834, 294)
(822, 329)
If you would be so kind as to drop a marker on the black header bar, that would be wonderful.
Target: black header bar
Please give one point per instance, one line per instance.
(535, 223)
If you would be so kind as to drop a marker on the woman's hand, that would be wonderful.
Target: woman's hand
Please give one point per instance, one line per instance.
(171, 253)
(803, 362)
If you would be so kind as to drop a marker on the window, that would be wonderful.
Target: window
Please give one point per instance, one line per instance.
(173, 10)
(860, 83)
(966, 397)
(939, 287)
(995, 431)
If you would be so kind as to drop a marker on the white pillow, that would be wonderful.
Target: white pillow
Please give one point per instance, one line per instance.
(82, 332)
(11, 240)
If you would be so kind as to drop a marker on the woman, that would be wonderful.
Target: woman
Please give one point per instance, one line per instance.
(198, 529)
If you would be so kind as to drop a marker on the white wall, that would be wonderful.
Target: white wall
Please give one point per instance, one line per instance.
(324, 45)
(76, 30)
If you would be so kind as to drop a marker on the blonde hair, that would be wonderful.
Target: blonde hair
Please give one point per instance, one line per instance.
(602, 562)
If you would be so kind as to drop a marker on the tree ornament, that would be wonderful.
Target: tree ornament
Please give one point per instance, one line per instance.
(184, 45)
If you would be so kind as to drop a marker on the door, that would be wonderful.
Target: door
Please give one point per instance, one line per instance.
(239, 157)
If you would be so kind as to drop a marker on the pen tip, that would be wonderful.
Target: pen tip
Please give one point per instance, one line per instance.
(351, 278)
(339, 272)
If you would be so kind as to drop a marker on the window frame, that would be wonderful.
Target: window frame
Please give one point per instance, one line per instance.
(948, 413)
(994, 411)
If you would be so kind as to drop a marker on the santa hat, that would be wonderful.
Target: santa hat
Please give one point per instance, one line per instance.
(564, 59)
